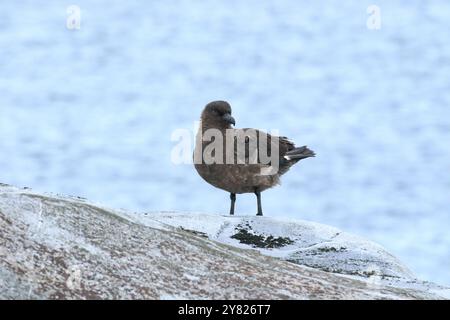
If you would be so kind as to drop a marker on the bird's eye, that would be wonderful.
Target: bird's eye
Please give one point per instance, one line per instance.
(219, 112)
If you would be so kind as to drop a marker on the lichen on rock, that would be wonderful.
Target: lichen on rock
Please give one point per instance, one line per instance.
(246, 236)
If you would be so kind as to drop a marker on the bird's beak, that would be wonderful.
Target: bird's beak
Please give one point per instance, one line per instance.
(228, 118)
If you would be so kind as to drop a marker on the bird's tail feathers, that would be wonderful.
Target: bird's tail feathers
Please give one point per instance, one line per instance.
(299, 153)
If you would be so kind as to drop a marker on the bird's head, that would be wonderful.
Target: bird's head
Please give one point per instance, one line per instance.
(218, 114)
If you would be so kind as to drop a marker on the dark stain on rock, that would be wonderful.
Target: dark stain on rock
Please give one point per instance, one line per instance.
(332, 249)
(260, 241)
(197, 233)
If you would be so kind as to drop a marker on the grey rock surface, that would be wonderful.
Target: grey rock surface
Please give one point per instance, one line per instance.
(55, 247)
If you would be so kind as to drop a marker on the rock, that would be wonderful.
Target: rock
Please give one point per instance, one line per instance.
(55, 247)
(301, 242)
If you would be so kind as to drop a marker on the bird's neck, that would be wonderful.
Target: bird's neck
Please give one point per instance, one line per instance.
(206, 125)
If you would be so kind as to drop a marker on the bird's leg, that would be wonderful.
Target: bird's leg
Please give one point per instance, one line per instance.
(258, 197)
(233, 200)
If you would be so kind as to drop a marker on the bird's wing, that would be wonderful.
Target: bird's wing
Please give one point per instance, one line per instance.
(252, 140)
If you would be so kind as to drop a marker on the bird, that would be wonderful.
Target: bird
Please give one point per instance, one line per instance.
(216, 156)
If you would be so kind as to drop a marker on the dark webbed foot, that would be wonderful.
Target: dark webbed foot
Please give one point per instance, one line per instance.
(258, 198)
(233, 200)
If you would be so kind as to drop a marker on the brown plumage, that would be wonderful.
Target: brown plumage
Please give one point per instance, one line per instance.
(253, 176)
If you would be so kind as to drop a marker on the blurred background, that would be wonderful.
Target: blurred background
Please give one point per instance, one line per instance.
(90, 111)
